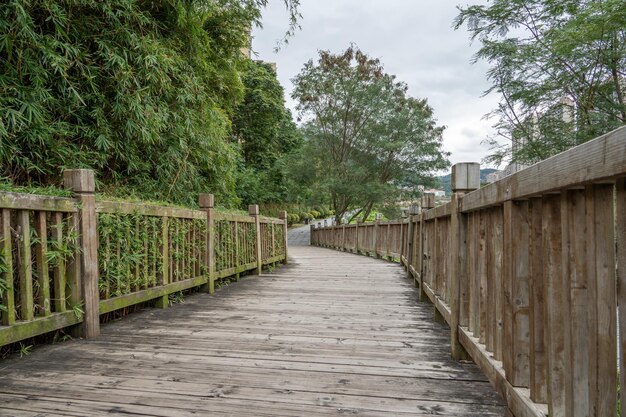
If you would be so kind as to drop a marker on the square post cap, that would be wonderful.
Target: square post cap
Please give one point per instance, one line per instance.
(79, 180)
(465, 177)
(253, 209)
(414, 209)
(428, 201)
(206, 201)
(282, 215)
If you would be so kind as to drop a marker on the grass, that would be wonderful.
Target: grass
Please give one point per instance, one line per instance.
(7, 186)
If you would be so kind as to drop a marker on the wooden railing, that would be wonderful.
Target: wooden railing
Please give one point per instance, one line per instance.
(65, 261)
(525, 272)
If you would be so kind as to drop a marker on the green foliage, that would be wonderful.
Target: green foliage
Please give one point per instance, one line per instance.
(176, 298)
(25, 350)
(365, 137)
(141, 91)
(234, 244)
(266, 133)
(78, 311)
(8, 186)
(130, 251)
(293, 218)
(558, 66)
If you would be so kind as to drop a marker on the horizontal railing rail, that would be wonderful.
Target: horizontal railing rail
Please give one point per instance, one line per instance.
(66, 261)
(528, 273)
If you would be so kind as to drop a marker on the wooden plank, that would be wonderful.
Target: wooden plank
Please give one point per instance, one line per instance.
(41, 254)
(165, 253)
(497, 259)
(472, 238)
(126, 300)
(19, 201)
(82, 183)
(519, 297)
(25, 266)
(73, 266)
(445, 210)
(40, 325)
(467, 294)
(490, 275)
(620, 241)
(458, 273)
(366, 349)
(60, 278)
(594, 161)
(241, 218)
(8, 298)
(602, 365)
(517, 399)
(557, 310)
(537, 306)
(123, 207)
(270, 220)
(481, 275)
(576, 282)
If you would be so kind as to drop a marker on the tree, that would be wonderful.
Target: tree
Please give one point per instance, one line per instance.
(141, 91)
(265, 131)
(559, 68)
(365, 136)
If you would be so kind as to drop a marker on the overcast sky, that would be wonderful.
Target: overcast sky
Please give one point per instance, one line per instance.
(414, 40)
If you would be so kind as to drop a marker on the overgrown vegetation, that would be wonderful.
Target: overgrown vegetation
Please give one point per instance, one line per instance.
(130, 251)
(266, 133)
(141, 91)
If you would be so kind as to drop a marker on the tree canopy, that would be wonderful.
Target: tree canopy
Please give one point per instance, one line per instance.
(559, 66)
(265, 131)
(366, 138)
(141, 91)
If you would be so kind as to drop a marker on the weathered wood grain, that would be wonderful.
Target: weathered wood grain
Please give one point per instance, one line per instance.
(598, 160)
(6, 239)
(330, 334)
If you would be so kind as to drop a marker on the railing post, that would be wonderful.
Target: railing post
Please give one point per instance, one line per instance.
(283, 216)
(356, 237)
(82, 183)
(465, 178)
(207, 203)
(413, 212)
(428, 202)
(253, 210)
(375, 237)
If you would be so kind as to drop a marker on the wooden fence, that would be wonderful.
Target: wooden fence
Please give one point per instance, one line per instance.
(528, 272)
(65, 261)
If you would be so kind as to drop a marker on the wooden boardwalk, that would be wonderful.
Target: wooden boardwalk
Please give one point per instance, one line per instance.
(312, 338)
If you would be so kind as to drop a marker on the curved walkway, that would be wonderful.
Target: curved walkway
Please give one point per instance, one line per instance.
(330, 334)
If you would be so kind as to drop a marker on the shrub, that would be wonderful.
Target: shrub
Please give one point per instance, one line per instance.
(316, 214)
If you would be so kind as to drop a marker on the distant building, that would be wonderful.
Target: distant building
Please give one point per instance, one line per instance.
(438, 193)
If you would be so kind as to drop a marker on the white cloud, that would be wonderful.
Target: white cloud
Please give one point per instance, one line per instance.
(415, 41)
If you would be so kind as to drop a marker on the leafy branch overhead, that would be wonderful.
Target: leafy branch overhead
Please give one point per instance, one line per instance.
(559, 68)
(367, 139)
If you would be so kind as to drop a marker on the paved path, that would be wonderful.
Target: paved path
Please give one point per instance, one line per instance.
(330, 334)
(299, 236)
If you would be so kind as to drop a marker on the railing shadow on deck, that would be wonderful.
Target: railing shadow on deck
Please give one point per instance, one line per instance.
(525, 272)
(67, 261)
